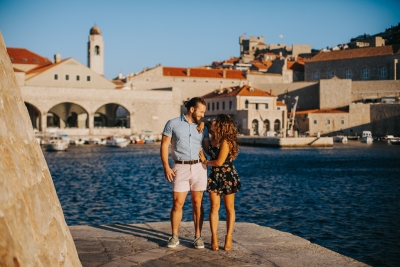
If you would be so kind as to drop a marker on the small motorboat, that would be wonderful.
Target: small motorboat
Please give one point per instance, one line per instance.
(56, 143)
(139, 141)
(367, 137)
(395, 141)
(340, 139)
(116, 141)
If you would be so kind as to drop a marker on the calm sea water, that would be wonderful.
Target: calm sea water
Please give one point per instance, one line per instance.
(345, 198)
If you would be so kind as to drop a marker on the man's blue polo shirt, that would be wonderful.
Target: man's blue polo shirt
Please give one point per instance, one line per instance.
(186, 141)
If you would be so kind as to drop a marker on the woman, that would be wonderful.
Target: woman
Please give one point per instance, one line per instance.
(223, 179)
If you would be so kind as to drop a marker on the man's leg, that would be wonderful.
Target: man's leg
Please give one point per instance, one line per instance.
(198, 211)
(176, 210)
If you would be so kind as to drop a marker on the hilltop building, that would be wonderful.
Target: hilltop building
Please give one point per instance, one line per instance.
(362, 64)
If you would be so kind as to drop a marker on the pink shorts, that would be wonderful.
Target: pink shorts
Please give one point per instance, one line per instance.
(191, 177)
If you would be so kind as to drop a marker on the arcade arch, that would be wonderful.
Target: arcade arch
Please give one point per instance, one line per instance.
(34, 115)
(112, 115)
(277, 125)
(255, 127)
(67, 115)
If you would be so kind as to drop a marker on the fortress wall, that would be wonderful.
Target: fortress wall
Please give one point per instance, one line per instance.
(33, 231)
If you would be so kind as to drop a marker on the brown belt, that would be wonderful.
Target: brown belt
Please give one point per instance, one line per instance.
(187, 161)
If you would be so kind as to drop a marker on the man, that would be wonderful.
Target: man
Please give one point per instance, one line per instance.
(188, 173)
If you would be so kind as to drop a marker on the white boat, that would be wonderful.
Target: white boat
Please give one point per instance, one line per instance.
(79, 141)
(56, 143)
(367, 137)
(147, 136)
(116, 141)
(395, 141)
(340, 139)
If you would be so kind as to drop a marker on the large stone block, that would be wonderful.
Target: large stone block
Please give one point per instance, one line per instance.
(33, 231)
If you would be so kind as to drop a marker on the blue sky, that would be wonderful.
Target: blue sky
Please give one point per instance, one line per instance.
(184, 33)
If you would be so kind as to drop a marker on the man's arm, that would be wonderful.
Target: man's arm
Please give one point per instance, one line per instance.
(168, 172)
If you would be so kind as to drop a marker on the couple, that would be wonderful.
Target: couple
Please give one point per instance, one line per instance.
(188, 138)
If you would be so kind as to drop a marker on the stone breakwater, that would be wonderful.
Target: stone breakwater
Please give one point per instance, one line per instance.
(33, 231)
(145, 245)
(286, 142)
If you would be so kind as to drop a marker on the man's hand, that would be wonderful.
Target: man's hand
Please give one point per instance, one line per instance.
(200, 127)
(202, 156)
(169, 174)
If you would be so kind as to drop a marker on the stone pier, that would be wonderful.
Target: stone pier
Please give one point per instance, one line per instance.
(126, 245)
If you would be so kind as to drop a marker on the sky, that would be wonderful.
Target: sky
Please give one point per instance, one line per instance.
(184, 33)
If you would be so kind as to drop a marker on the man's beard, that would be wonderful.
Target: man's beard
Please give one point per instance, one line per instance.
(194, 118)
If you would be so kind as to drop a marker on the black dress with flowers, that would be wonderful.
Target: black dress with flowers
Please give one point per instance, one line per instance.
(224, 179)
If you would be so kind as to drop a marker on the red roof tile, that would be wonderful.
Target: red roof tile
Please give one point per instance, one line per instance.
(295, 66)
(203, 73)
(24, 56)
(301, 112)
(237, 91)
(357, 53)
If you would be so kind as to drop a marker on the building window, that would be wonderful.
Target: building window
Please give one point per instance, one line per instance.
(328, 121)
(278, 108)
(331, 74)
(246, 104)
(213, 107)
(67, 77)
(315, 121)
(255, 106)
(55, 76)
(383, 72)
(266, 105)
(342, 121)
(348, 74)
(97, 50)
(88, 78)
(77, 77)
(316, 76)
(223, 105)
(208, 106)
(365, 73)
(217, 105)
(230, 105)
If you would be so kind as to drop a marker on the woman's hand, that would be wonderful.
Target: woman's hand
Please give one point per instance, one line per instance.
(202, 156)
(200, 127)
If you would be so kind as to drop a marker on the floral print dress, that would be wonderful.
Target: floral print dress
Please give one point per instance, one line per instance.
(224, 179)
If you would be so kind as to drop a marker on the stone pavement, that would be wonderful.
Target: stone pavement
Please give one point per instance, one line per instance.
(126, 245)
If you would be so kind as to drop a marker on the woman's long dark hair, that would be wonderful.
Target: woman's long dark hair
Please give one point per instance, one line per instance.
(226, 130)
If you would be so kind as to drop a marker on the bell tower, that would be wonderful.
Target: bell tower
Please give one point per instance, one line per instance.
(96, 51)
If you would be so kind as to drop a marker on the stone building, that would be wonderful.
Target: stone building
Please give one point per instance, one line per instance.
(254, 111)
(361, 64)
(67, 96)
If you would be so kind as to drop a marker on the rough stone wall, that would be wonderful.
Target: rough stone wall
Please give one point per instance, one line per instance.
(374, 89)
(334, 93)
(308, 93)
(385, 119)
(33, 231)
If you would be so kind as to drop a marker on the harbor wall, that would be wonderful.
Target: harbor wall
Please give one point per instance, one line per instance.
(33, 231)
(289, 142)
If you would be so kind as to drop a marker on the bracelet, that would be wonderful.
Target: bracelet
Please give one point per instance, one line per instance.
(206, 162)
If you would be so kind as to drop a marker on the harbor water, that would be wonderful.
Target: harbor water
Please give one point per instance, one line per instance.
(345, 198)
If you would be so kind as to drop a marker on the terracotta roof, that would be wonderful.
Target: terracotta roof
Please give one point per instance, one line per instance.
(280, 103)
(203, 73)
(237, 91)
(295, 66)
(24, 56)
(357, 53)
(17, 70)
(301, 112)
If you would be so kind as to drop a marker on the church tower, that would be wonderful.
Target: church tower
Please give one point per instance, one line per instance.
(96, 51)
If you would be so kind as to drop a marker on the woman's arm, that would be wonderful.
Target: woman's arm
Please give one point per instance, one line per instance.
(223, 154)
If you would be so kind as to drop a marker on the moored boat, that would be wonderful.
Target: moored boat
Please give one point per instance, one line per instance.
(367, 137)
(340, 139)
(56, 143)
(116, 141)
